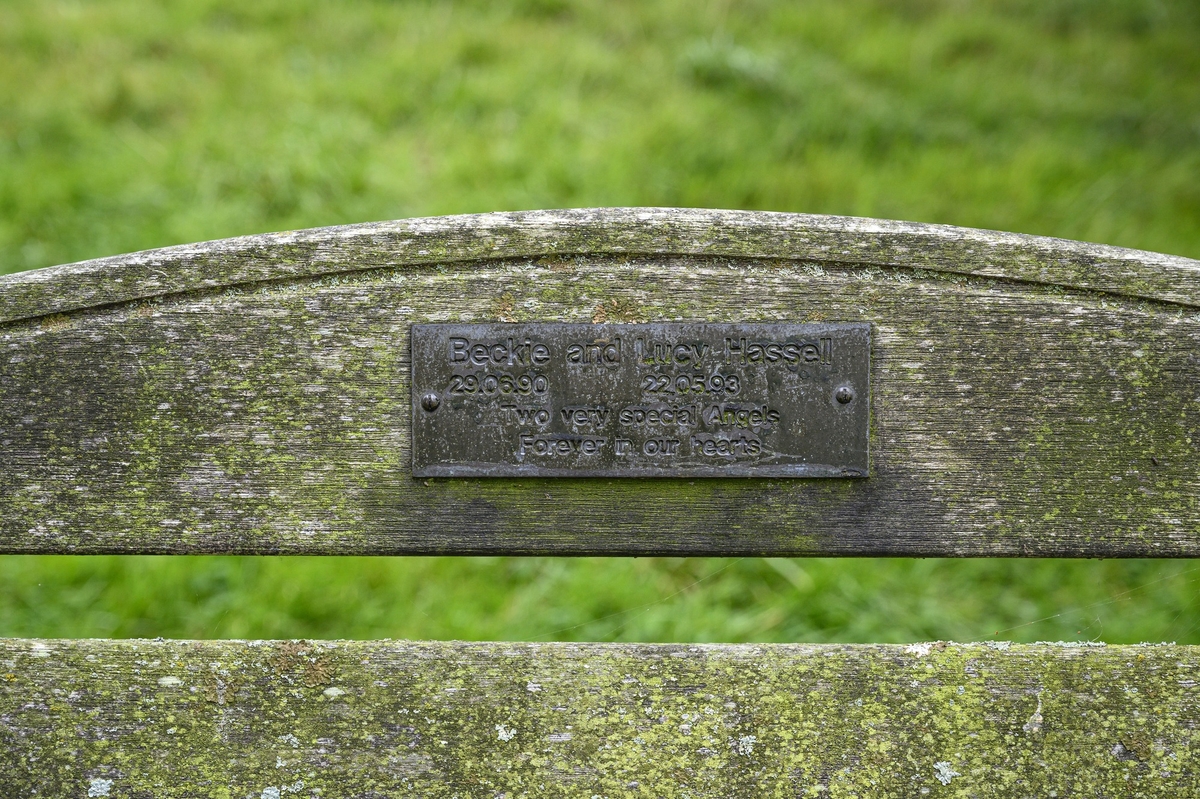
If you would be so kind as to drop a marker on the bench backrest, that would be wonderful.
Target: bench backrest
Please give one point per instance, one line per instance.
(1029, 396)
(1013, 395)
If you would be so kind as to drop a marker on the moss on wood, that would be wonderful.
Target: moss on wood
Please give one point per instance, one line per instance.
(355, 719)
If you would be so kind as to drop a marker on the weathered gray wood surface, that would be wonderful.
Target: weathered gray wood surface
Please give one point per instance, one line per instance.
(1030, 396)
(242, 720)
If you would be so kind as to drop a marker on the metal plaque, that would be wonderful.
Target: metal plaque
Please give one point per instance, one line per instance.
(685, 399)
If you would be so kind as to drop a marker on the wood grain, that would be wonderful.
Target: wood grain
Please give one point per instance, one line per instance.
(363, 720)
(1030, 396)
(601, 231)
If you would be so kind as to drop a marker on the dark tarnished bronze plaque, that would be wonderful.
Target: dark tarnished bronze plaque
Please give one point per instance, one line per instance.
(685, 399)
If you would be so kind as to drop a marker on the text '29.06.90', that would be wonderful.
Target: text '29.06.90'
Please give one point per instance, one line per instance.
(661, 399)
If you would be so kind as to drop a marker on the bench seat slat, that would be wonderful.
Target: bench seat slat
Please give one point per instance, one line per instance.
(372, 719)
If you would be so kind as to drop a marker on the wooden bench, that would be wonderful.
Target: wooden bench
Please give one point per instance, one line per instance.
(1027, 396)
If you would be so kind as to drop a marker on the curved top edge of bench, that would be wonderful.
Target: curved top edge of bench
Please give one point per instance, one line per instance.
(604, 231)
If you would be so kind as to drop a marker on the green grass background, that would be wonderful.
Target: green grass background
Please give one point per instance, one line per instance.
(127, 125)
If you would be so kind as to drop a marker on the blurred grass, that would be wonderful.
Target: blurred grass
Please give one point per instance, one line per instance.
(126, 125)
(590, 599)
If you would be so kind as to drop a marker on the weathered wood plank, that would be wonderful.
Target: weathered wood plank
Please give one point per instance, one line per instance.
(1009, 417)
(603, 231)
(356, 719)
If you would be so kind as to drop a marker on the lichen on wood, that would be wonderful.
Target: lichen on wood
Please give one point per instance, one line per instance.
(662, 232)
(236, 720)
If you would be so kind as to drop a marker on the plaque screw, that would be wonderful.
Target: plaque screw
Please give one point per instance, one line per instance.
(430, 402)
(844, 394)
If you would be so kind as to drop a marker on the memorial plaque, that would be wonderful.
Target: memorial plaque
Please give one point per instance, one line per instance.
(684, 399)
